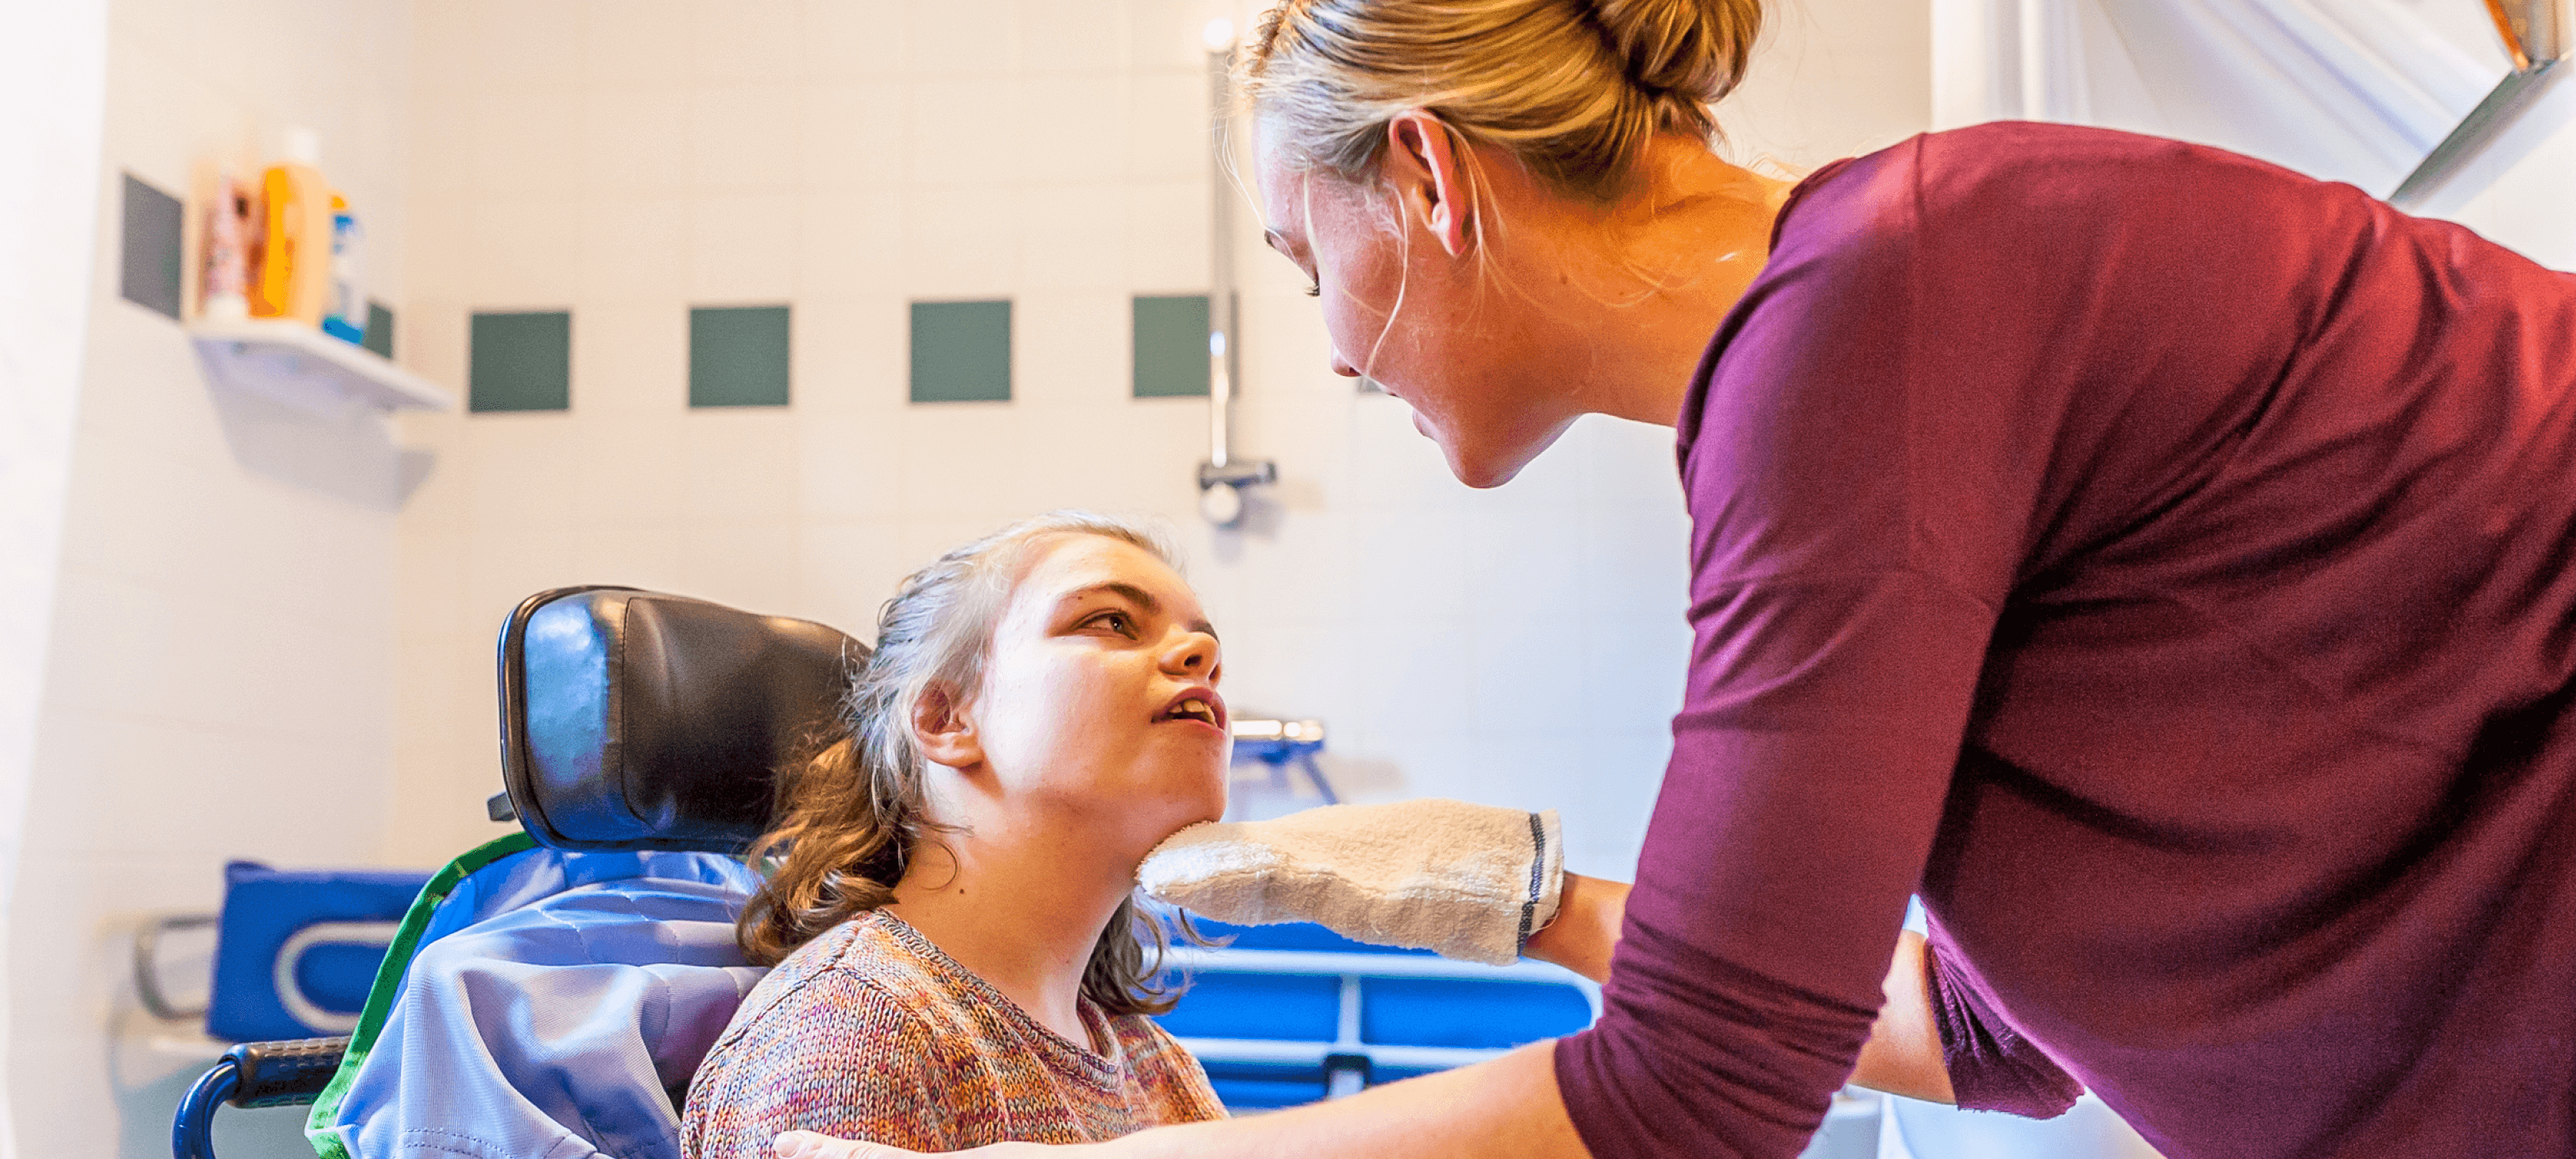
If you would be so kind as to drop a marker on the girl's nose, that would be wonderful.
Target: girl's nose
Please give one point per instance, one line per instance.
(1343, 368)
(1194, 653)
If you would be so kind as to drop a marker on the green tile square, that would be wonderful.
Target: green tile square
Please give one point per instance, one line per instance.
(150, 262)
(1172, 346)
(380, 328)
(738, 356)
(961, 351)
(520, 361)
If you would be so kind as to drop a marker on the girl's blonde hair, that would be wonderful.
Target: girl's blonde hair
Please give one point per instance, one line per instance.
(1572, 88)
(850, 818)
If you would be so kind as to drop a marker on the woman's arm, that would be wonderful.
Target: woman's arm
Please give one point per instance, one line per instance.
(1902, 1056)
(1505, 1109)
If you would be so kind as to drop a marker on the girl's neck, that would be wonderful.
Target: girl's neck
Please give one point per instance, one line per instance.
(1019, 910)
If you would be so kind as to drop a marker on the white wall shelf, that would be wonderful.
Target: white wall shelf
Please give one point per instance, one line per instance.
(295, 364)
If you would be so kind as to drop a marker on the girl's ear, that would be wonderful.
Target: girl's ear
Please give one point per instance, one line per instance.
(945, 730)
(1429, 177)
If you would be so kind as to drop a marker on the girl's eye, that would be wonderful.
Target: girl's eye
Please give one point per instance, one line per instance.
(1315, 290)
(1119, 622)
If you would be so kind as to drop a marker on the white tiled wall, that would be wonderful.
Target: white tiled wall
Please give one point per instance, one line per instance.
(627, 160)
(53, 59)
(221, 676)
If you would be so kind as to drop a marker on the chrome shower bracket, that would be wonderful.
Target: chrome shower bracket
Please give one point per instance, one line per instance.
(1223, 478)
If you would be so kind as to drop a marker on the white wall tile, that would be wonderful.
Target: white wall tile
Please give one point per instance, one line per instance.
(747, 565)
(1090, 37)
(528, 252)
(961, 461)
(964, 38)
(1070, 237)
(846, 571)
(1069, 348)
(853, 39)
(743, 138)
(1167, 229)
(960, 242)
(850, 353)
(1078, 128)
(745, 40)
(742, 248)
(635, 141)
(633, 250)
(740, 464)
(849, 243)
(635, 42)
(850, 467)
(1169, 35)
(965, 132)
(526, 44)
(631, 469)
(1170, 130)
(651, 555)
(526, 144)
(850, 135)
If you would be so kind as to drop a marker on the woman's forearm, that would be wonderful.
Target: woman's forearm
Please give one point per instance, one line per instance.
(1586, 927)
(1508, 1108)
(1903, 1054)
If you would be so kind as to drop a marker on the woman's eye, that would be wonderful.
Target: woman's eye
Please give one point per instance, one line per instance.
(1315, 290)
(1119, 622)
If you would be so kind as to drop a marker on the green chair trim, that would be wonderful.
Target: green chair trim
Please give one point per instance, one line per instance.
(319, 1127)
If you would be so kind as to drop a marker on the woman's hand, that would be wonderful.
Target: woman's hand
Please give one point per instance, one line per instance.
(808, 1145)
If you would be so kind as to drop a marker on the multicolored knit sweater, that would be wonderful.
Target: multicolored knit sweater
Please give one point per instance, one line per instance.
(870, 1032)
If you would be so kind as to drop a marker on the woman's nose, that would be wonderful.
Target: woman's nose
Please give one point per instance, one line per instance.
(1343, 368)
(1194, 653)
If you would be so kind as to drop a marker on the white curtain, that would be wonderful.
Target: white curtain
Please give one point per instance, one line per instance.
(2346, 90)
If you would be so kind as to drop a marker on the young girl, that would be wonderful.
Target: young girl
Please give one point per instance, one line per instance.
(960, 959)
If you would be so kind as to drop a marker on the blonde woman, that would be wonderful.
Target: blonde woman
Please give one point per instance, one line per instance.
(959, 958)
(2161, 562)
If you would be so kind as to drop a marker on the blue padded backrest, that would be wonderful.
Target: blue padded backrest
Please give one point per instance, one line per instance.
(1468, 1012)
(263, 908)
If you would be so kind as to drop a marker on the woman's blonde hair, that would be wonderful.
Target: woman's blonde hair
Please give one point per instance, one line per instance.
(1572, 88)
(851, 817)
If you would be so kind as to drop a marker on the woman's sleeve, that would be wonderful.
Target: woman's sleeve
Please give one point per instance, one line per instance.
(1857, 515)
(1992, 1067)
(837, 1057)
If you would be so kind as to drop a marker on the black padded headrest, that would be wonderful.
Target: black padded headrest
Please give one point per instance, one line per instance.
(633, 720)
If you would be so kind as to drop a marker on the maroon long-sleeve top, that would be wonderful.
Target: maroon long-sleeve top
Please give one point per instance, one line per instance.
(2166, 564)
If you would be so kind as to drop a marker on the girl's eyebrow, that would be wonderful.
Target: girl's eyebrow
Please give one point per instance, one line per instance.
(1144, 601)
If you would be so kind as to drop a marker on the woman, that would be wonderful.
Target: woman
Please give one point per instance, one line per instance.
(2157, 560)
(951, 887)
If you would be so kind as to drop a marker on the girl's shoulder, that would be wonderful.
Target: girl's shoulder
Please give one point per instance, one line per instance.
(1172, 1080)
(858, 965)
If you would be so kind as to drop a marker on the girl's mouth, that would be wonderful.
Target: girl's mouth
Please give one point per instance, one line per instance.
(1201, 705)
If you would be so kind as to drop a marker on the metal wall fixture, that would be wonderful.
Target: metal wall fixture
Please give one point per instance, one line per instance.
(1223, 478)
(2539, 35)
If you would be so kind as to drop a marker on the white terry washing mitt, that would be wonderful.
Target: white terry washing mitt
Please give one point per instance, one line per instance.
(1466, 881)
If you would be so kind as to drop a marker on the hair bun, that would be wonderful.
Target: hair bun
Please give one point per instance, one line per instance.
(1694, 49)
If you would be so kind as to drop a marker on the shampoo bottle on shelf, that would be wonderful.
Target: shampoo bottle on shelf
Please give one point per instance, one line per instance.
(346, 317)
(294, 276)
(228, 241)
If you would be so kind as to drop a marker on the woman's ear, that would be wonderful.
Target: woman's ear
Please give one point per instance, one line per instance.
(1427, 171)
(945, 730)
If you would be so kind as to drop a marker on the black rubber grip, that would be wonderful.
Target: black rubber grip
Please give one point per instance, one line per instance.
(287, 1073)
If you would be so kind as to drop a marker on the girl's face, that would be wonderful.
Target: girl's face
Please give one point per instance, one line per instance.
(1099, 704)
(1475, 363)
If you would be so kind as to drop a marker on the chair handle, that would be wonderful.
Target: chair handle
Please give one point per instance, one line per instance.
(254, 1074)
